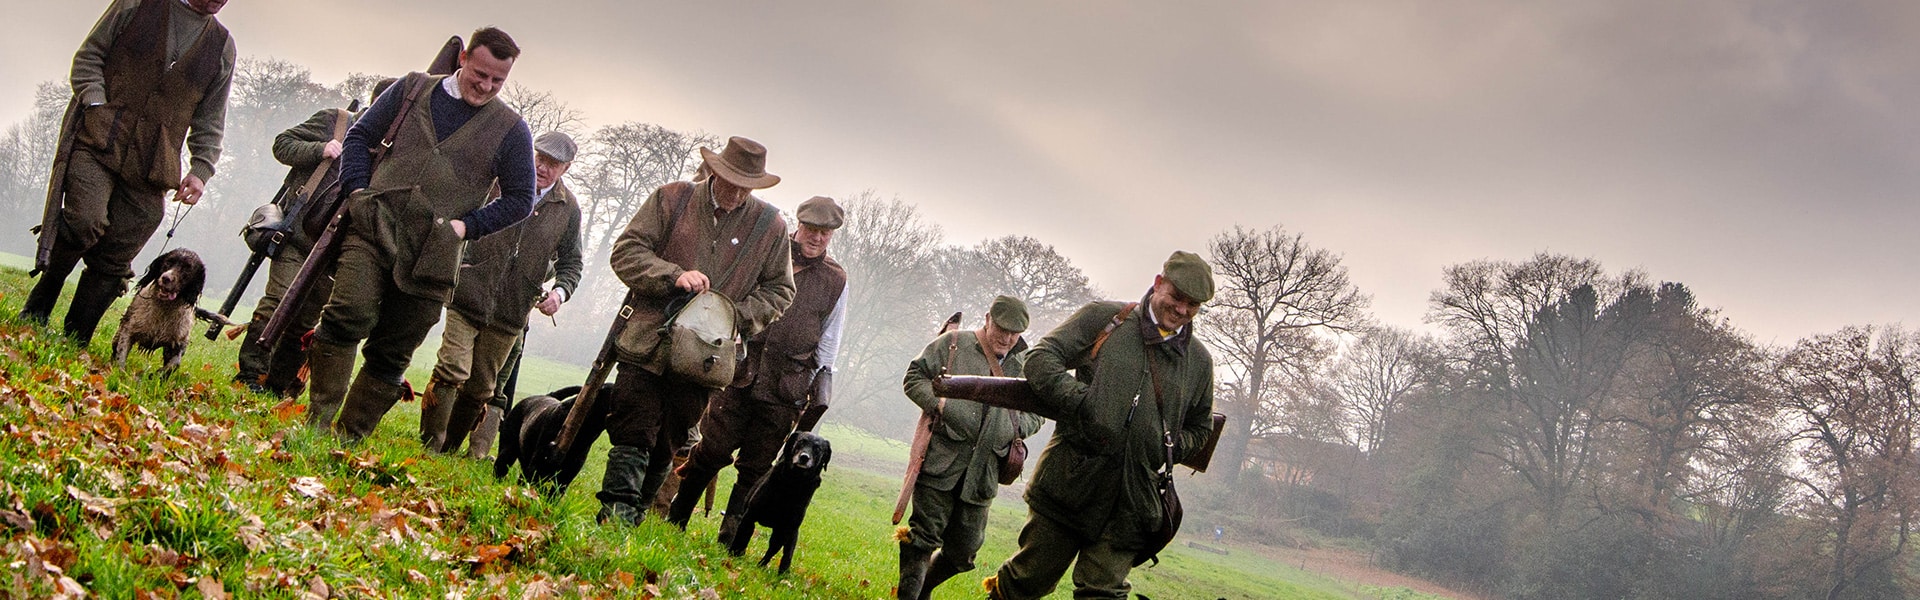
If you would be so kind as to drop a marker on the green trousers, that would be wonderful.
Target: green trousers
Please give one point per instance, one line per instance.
(1047, 548)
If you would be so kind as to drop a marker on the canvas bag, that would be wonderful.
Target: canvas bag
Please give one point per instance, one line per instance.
(701, 341)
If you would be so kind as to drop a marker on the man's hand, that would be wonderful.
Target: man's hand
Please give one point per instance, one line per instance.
(459, 228)
(190, 190)
(692, 281)
(549, 304)
(331, 150)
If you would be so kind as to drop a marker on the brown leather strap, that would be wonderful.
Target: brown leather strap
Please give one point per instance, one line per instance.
(1117, 319)
(340, 122)
(393, 128)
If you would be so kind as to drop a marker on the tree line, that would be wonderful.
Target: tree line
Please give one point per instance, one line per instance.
(1557, 431)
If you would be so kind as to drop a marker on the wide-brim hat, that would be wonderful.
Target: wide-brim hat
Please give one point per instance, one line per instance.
(743, 163)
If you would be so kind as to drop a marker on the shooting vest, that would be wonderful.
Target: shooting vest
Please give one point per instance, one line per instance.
(501, 275)
(424, 182)
(696, 242)
(150, 104)
(781, 358)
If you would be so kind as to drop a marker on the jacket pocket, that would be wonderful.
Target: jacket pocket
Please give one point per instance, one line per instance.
(438, 260)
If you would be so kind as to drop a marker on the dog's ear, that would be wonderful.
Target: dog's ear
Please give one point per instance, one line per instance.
(826, 453)
(154, 268)
(193, 276)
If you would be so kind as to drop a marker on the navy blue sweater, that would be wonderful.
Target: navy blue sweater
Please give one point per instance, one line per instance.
(512, 161)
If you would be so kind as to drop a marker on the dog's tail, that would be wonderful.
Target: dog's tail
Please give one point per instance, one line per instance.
(566, 392)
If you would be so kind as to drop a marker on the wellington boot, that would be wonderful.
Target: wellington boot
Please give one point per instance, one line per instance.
(330, 368)
(913, 571)
(254, 359)
(283, 368)
(461, 419)
(367, 402)
(620, 499)
(729, 525)
(46, 289)
(481, 445)
(435, 409)
(693, 483)
(938, 572)
(91, 299)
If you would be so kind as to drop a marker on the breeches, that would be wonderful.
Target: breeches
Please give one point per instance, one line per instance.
(103, 220)
(1047, 548)
(734, 421)
(942, 521)
(642, 404)
(366, 305)
(471, 357)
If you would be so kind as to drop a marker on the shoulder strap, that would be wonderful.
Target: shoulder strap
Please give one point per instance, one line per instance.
(393, 128)
(340, 121)
(1117, 319)
(678, 208)
(760, 227)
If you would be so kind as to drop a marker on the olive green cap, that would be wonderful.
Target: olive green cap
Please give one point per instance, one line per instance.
(1190, 274)
(822, 212)
(1008, 313)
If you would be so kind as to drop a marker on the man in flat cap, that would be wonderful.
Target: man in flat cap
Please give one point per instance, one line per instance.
(1131, 379)
(960, 474)
(502, 278)
(787, 380)
(686, 238)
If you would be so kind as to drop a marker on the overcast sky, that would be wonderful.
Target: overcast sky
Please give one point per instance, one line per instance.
(1763, 153)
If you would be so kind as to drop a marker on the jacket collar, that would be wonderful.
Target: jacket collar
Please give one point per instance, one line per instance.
(1150, 331)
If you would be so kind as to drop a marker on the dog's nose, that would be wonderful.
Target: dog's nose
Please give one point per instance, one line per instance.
(804, 461)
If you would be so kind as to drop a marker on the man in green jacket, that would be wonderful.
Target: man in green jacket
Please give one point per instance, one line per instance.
(686, 238)
(960, 475)
(500, 281)
(152, 75)
(1130, 378)
(303, 147)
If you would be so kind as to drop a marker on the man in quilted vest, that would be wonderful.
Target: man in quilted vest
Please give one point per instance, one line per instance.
(152, 75)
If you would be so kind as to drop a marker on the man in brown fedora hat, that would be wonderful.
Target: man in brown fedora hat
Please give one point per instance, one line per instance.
(686, 238)
(786, 381)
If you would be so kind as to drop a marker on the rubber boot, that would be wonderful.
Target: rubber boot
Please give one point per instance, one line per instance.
(913, 571)
(46, 290)
(254, 360)
(938, 572)
(367, 402)
(435, 410)
(91, 299)
(283, 368)
(481, 446)
(330, 368)
(656, 477)
(736, 510)
(460, 421)
(620, 499)
(693, 483)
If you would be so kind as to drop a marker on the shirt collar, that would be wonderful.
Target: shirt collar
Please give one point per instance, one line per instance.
(1150, 330)
(451, 86)
(547, 190)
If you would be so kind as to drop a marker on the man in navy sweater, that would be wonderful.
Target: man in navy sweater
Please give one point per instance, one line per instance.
(411, 212)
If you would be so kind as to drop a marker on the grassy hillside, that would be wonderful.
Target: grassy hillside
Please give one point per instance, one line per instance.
(125, 484)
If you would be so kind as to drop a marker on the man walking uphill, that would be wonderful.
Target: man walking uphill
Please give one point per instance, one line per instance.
(960, 474)
(789, 368)
(686, 238)
(152, 75)
(1134, 386)
(500, 282)
(411, 215)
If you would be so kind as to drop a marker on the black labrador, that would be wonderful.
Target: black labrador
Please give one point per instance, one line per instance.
(779, 501)
(527, 436)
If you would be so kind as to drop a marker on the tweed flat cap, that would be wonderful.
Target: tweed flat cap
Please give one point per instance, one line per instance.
(822, 212)
(1190, 274)
(1008, 313)
(556, 145)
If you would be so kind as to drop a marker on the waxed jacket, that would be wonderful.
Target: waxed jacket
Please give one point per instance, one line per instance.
(501, 275)
(970, 439)
(1100, 469)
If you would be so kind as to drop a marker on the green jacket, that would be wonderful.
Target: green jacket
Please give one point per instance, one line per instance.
(969, 439)
(501, 275)
(300, 147)
(1101, 470)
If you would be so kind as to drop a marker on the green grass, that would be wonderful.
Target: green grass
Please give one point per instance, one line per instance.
(124, 483)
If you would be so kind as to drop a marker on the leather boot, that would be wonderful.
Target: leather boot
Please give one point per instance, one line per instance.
(91, 299)
(693, 483)
(46, 290)
(481, 445)
(283, 368)
(736, 510)
(254, 360)
(330, 368)
(367, 402)
(435, 410)
(729, 525)
(620, 499)
(460, 421)
(913, 571)
(938, 572)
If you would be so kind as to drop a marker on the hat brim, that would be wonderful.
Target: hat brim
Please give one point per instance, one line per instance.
(725, 171)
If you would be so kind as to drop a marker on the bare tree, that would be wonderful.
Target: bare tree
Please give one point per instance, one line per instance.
(1373, 378)
(889, 254)
(623, 164)
(1018, 266)
(1274, 292)
(1849, 400)
(543, 111)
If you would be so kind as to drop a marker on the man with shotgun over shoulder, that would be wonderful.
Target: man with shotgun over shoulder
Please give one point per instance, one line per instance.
(152, 75)
(1133, 389)
(500, 282)
(960, 472)
(686, 238)
(306, 147)
(786, 381)
(443, 141)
